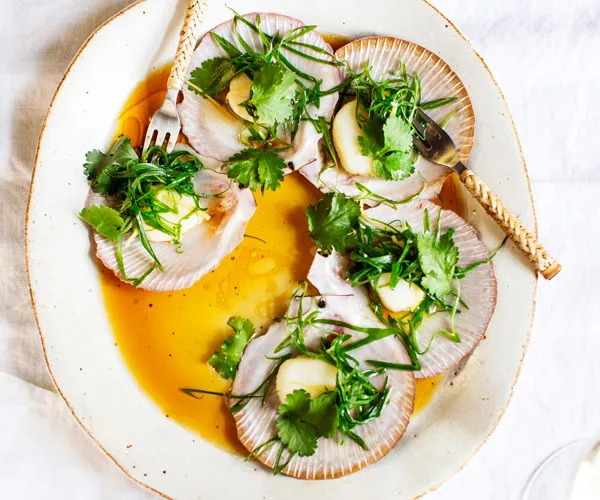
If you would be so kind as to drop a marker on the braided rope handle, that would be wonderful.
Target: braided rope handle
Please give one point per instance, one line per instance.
(525, 241)
(187, 43)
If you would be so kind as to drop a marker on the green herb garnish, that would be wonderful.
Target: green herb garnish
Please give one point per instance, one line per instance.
(213, 77)
(280, 95)
(438, 257)
(332, 222)
(302, 421)
(427, 259)
(273, 92)
(105, 220)
(385, 111)
(357, 400)
(135, 188)
(256, 168)
(226, 360)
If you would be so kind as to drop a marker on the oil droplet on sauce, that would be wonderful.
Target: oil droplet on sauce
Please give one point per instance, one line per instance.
(167, 338)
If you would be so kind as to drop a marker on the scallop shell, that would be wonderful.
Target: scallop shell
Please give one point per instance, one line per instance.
(220, 140)
(383, 55)
(256, 422)
(478, 289)
(202, 247)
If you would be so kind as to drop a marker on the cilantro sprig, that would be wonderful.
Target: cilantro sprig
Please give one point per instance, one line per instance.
(256, 168)
(427, 258)
(389, 143)
(227, 359)
(105, 220)
(273, 93)
(302, 421)
(384, 112)
(132, 185)
(438, 257)
(331, 222)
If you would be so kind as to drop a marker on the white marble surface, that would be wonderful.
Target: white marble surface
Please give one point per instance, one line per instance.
(544, 54)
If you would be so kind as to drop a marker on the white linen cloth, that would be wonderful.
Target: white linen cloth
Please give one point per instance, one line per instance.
(544, 54)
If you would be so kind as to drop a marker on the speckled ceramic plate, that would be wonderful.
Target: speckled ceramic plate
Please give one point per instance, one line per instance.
(80, 349)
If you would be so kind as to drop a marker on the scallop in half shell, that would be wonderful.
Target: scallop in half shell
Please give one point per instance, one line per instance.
(202, 247)
(215, 132)
(477, 289)
(256, 422)
(384, 55)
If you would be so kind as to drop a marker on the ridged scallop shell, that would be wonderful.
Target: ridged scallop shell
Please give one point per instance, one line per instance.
(383, 55)
(256, 422)
(202, 247)
(478, 289)
(221, 140)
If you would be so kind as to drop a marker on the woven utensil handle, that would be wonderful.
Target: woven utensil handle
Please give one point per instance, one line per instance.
(187, 42)
(525, 241)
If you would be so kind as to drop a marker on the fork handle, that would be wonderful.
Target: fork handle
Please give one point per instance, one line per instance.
(187, 43)
(547, 266)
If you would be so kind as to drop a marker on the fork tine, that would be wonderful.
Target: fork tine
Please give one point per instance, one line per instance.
(161, 138)
(426, 118)
(150, 139)
(165, 142)
(171, 144)
(422, 147)
(419, 126)
(432, 131)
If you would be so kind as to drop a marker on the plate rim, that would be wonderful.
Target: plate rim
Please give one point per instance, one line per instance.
(87, 432)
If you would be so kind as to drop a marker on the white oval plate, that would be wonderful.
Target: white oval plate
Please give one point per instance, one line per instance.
(80, 349)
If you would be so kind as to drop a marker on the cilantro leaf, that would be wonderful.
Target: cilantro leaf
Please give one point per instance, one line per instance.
(273, 90)
(387, 138)
(122, 151)
(438, 258)
(212, 77)
(323, 414)
(103, 219)
(226, 361)
(372, 140)
(390, 145)
(332, 222)
(97, 165)
(394, 166)
(397, 134)
(298, 436)
(302, 421)
(95, 160)
(256, 168)
(296, 403)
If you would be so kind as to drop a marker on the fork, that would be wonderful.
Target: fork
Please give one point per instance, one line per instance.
(436, 146)
(165, 125)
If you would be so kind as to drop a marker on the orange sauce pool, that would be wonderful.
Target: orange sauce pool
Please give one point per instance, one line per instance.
(335, 40)
(167, 338)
